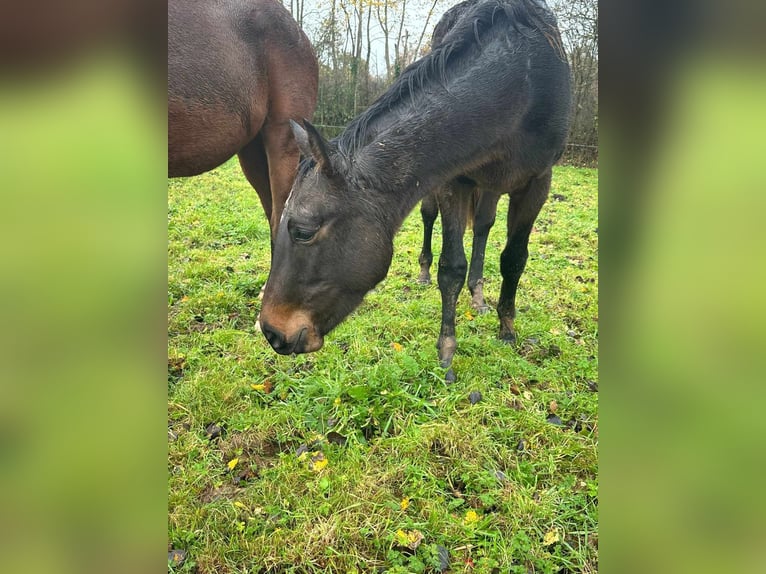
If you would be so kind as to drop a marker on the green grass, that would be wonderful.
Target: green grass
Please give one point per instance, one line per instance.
(494, 484)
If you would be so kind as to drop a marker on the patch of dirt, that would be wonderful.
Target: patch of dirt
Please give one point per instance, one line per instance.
(211, 493)
(533, 351)
(255, 449)
(176, 366)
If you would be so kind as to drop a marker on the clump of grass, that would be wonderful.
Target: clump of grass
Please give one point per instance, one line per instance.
(361, 457)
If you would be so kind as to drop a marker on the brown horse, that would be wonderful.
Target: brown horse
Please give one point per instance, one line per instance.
(238, 72)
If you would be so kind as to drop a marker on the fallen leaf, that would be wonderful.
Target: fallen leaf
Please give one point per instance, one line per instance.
(266, 386)
(443, 554)
(551, 537)
(336, 438)
(555, 420)
(245, 476)
(213, 431)
(177, 557)
(553, 406)
(232, 463)
(409, 539)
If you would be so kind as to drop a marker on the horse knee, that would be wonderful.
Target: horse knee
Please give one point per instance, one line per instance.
(453, 270)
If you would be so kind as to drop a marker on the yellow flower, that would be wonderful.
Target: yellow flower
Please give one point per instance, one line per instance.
(337, 401)
(397, 347)
(471, 517)
(232, 463)
(318, 462)
(551, 536)
(401, 537)
(405, 503)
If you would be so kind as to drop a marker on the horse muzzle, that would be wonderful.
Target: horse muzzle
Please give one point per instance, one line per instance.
(303, 340)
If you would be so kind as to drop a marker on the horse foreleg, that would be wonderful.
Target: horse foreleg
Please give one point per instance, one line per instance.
(429, 209)
(484, 218)
(523, 208)
(454, 205)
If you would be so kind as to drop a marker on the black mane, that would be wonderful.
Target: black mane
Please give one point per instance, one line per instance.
(461, 31)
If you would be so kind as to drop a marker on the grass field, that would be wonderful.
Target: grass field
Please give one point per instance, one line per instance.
(360, 458)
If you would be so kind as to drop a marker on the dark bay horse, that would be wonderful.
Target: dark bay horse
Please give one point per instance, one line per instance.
(487, 108)
(483, 208)
(238, 72)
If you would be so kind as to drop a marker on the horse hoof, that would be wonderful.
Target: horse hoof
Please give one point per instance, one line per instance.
(508, 338)
(482, 309)
(424, 280)
(450, 376)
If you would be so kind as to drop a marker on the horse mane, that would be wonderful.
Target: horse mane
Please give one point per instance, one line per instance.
(459, 32)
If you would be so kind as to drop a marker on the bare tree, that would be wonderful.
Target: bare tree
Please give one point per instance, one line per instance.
(578, 22)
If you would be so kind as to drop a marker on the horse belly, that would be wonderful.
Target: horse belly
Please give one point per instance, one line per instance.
(201, 138)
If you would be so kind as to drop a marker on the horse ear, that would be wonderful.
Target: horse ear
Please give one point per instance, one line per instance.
(312, 144)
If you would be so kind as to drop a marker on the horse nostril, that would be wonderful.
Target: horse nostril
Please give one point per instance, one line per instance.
(274, 338)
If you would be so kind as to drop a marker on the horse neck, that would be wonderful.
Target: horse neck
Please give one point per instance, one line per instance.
(417, 151)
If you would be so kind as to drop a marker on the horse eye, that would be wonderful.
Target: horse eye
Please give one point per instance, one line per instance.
(302, 234)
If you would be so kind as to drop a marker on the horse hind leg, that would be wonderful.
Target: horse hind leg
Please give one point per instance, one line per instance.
(429, 209)
(255, 166)
(485, 210)
(523, 208)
